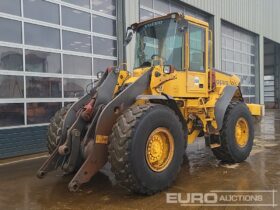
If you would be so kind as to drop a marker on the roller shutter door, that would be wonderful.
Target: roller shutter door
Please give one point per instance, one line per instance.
(240, 56)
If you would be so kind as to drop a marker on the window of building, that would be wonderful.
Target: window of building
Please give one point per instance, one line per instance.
(11, 114)
(43, 87)
(156, 8)
(11, 86)
(41, 112)
(102, 64)
(82, 3)
(41, 36)
(75, 88)
(147, 3)
(10, 6)
(41, 10)
(77, 65)
(11, 59)
(162, 6)
(55, 64)
(103, 46)
(75, 18)
(104, 6)
(99, 22)
(197, 48)
(46, 62)
(10, 30)
(145, 15)
(76, 42)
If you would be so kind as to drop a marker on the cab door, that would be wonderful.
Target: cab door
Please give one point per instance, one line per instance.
(196, 61)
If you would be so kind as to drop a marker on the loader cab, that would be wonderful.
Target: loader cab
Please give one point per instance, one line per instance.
(178, 41)
(161, 42)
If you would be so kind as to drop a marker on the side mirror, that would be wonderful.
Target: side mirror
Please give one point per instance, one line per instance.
(129, 35)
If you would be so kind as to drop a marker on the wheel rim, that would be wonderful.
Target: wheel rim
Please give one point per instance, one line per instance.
(241, 132)
(159, 149)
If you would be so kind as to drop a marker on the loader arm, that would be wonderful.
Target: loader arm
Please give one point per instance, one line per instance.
(96, 149)
(74, 123)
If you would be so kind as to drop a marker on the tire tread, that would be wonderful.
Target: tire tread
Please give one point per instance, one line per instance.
(119, 150)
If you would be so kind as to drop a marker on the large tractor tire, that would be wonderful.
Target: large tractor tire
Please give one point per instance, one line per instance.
(237, 134)
(54, 129)
(146, 148)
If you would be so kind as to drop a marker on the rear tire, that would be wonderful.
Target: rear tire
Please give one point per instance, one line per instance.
(55, 128)
(129, 146)
(236, 144)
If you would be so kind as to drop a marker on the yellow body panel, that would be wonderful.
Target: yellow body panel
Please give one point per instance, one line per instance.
(123, 76)
(176, 87)
(195, 95)
(256, 109)
(197, 84)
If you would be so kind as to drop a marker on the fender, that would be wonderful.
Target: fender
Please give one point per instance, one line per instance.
(166, 100)
(222, 104)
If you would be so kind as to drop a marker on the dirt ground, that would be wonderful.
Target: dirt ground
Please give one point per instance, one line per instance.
(201, 173)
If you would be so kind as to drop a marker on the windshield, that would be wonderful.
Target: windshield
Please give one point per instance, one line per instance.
(160, 40)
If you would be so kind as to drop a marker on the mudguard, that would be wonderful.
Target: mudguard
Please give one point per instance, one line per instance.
(166, 100)
(222, 104)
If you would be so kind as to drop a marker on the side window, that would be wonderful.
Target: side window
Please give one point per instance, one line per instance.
(197, 48)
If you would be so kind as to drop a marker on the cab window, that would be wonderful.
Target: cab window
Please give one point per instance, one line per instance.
(197, 48)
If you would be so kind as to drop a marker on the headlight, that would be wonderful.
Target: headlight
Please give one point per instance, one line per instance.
(167, 69)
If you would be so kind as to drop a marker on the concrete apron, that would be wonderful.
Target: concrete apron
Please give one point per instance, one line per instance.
(201, 173)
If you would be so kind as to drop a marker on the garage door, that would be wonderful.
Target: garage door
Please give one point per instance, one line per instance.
(40, 75)
(271, 74)
(269, 97)
(239, 56)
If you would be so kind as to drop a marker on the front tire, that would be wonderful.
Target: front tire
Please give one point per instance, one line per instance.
(146, 148)
(55, 128)
(237, 134)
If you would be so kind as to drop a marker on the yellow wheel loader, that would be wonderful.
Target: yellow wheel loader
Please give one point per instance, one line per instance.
(140, 121)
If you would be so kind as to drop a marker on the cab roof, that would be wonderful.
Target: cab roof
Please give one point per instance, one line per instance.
(135, 26)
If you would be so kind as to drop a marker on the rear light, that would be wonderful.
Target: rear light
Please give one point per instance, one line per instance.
(212, 80)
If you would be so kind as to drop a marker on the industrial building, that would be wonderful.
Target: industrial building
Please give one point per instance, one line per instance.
(51, 50)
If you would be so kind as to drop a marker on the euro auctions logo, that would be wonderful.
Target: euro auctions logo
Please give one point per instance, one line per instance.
(224, 198)
(192, 198)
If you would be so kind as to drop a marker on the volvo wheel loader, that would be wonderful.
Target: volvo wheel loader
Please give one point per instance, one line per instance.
(141, 121)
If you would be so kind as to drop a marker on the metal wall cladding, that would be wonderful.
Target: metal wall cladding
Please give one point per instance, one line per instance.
(259, 16)
(22, 141)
